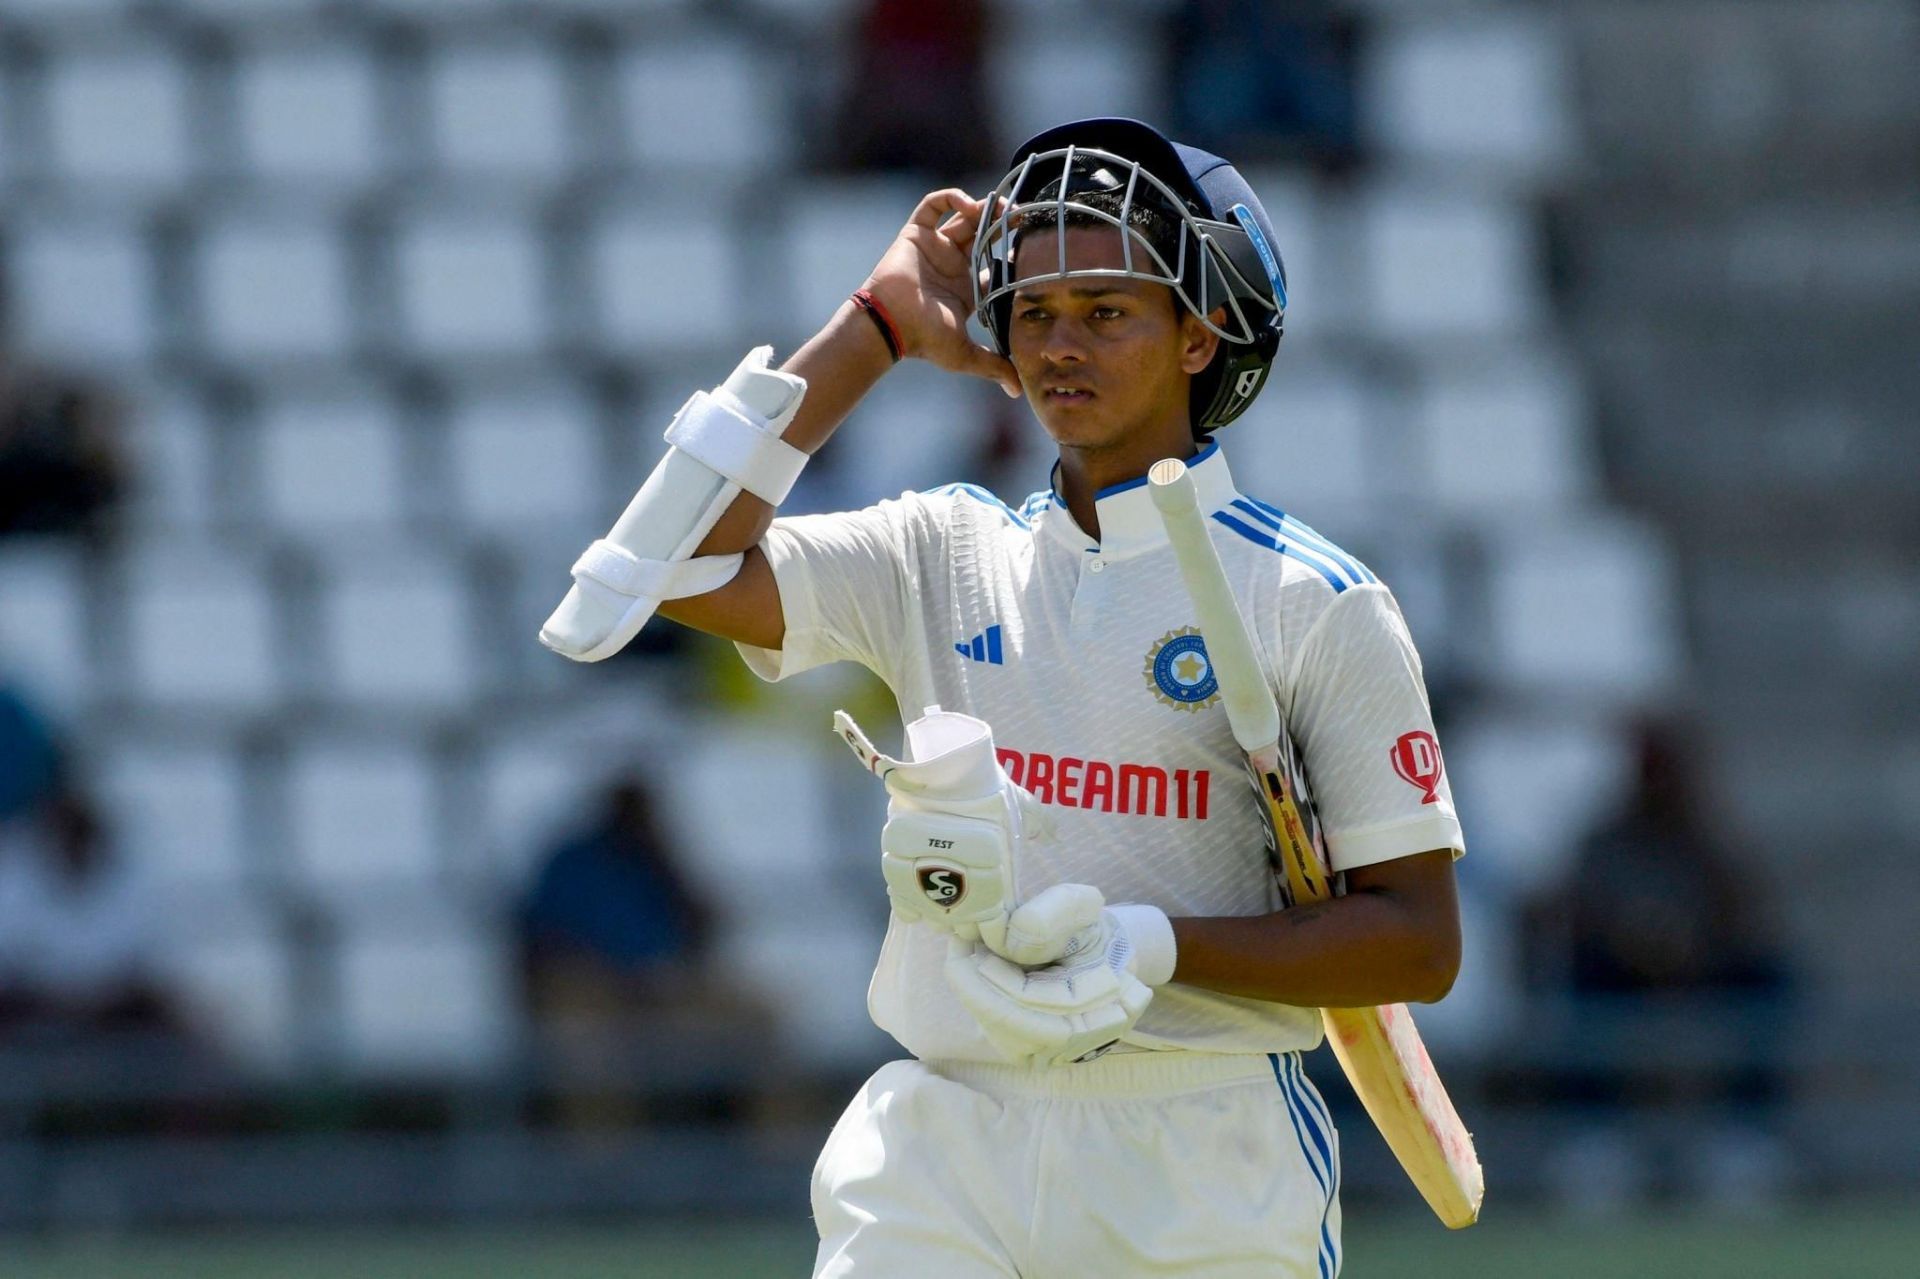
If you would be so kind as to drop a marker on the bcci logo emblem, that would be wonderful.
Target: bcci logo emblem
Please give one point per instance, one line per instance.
(1179, 673)
(943, 885)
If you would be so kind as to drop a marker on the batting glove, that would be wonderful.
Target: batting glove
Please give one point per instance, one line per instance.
(1074, 1009)
(954, 823)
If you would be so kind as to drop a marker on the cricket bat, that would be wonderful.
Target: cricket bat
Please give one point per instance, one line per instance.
(1379, 1048)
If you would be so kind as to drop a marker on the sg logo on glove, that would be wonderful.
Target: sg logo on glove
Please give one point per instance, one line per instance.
(943, 885)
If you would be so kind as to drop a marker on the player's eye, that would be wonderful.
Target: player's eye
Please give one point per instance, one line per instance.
(1033, 313)
(1107, 313)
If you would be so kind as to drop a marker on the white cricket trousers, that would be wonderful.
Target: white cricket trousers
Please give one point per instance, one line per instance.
(1162, 1163)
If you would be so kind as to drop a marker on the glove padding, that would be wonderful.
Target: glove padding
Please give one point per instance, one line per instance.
(954, 820)
(1074, 1009)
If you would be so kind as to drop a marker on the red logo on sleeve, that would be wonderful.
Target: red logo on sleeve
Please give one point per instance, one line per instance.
(1416, 757)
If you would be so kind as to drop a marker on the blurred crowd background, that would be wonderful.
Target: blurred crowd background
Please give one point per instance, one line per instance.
(332, 329)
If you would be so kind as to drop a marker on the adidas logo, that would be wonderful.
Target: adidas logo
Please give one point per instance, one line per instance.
(984, 647)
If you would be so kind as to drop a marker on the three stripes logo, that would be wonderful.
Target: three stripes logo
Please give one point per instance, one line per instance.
(984, 647)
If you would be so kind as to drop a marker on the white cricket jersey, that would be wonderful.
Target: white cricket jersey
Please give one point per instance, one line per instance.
(1084, 657)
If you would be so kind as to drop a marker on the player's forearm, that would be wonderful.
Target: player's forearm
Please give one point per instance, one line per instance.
(1356, 951)
(841, 363)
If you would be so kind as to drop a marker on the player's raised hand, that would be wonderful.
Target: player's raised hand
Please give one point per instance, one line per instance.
(924, 282)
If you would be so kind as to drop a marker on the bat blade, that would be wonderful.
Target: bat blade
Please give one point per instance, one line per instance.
(1379, 1049)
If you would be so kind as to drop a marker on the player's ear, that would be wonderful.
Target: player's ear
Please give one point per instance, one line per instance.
(1197, 341)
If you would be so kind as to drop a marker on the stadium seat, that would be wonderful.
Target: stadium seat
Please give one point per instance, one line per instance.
(330, 459)
(919, 428)
(396, 630)
(498, 111)
(45, 637)
(362, 818)
(82, 291)
(177, 809)
(241, 12)
(835, 231)
(470, 286)
(785, 832)
(526, 457)
(423, 991)
(663, 281)
(1310, 445)
(230, 962)
(1484, 92)
(705, 104)
(1434, 266)
(1529, 786)
(309, 114)
(1498, 437)
(200, 629)
(274, 288)
(532, 793)
(172, 455)
(36, 13)
(815, 979)
(1043, 70)
(119, 117)
(1586, 609)
(1306, 233)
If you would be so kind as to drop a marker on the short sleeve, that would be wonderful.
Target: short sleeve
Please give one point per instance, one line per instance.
(845, 581)
(1360, 717)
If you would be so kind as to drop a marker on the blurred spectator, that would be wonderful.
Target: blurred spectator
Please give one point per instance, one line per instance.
(1265, 79)
(917, 99)
(58, 471)
(29, 760)
(1661, 954)
(614, 945)
(76, 939)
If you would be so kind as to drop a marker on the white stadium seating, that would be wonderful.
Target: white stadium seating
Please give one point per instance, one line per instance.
(1583, 609)
(833, 234)
(704, 104)
(274, 288)
(45, 638)
(1488, 93)
(330, 459)
(524, 458)
(663, 278)
(82, 291)
(173, 453)
(423, 991)
(178, 810)
(470, 286)
(1497, 437)
(363, 818)
(120, 117)
(231, 963)
(200, 629)
(499, 111)
(1436, 266)
(310, 114)
(396, 629)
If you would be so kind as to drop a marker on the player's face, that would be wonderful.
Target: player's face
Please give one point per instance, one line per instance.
(1102, 357)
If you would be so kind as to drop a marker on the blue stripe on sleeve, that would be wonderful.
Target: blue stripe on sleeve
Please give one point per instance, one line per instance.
(1319, 541)
(1334, 579)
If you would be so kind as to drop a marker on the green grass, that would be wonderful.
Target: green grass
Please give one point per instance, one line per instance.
(1856, 1242)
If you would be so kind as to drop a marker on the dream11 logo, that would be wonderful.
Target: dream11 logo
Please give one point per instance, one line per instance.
(1416, 758)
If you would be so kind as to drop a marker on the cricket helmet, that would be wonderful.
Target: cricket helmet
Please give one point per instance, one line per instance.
(1222, 258)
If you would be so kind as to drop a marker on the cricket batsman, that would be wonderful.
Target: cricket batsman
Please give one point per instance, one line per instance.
(1091, 961)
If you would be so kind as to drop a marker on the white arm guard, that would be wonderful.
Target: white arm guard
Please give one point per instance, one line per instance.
(723, 442)
(954, 823)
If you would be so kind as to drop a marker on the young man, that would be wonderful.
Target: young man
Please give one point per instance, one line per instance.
(1128, 1098)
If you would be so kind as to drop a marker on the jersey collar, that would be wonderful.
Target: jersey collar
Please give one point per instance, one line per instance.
(1129, 521)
